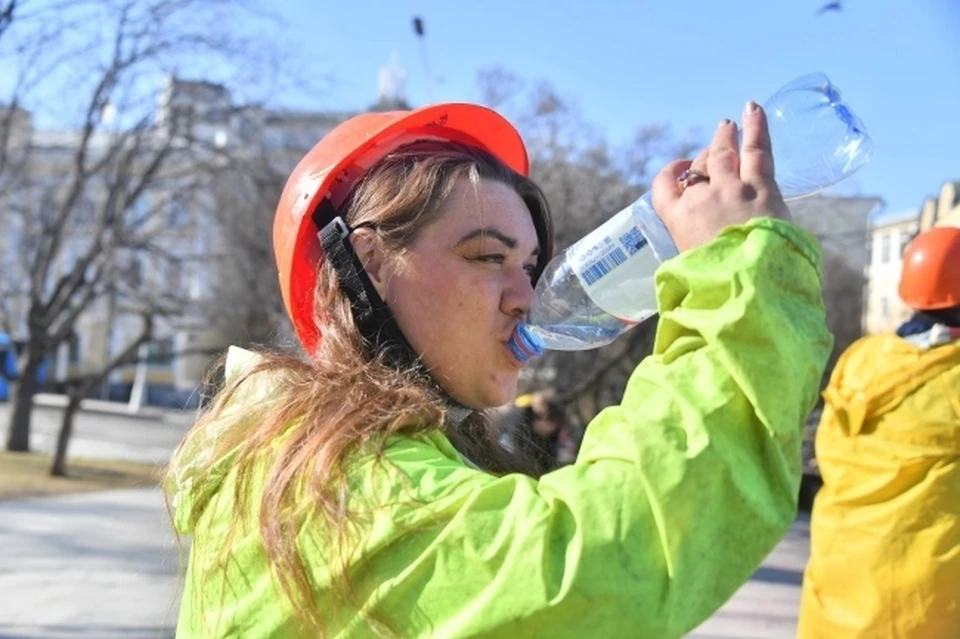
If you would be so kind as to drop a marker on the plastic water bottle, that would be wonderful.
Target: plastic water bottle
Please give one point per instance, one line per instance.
(602, 286)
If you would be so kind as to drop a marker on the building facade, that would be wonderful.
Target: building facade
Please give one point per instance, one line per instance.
(890, 233)
(201, 124)
(843, 228)
(943, 210)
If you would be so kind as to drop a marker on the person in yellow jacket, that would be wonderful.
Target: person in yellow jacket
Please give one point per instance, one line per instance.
(359, 491)
(885, 528)
(532, 427)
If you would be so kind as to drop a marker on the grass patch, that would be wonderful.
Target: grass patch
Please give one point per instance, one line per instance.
(28, 475)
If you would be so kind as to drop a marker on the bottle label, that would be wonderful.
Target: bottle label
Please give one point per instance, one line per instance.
(615, 265)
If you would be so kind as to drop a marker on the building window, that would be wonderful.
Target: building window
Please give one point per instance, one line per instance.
(885, 248)
(884, 307)
(174, 269)
(73, 352)
(160, 351)
(196, 282)
(905, 239)
(217, 115)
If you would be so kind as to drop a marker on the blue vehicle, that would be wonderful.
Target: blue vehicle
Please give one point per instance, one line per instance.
(9, 350)
(8, 365)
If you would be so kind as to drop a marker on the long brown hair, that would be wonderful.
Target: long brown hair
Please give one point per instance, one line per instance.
(347, 399)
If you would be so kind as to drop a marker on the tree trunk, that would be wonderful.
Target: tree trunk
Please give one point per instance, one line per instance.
(82, 388)
(59, 466)
(18, 435)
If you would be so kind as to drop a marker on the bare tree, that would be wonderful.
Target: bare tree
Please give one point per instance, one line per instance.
(79, 388)
(89, 206)
(7, 10)
(246, 197)
(841, 225)
(246, 192)
(587, 180)
(843, 297)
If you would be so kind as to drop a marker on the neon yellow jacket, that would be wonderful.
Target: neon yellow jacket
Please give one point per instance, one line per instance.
(885, 532)
(678, 494)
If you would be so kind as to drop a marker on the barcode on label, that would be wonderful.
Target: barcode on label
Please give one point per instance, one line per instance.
(633, 240)
(593, 273)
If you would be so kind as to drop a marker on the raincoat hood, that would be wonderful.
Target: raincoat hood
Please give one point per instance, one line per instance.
(876, 374)
(194, 476)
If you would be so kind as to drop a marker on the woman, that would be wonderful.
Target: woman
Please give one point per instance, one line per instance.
(359, 494)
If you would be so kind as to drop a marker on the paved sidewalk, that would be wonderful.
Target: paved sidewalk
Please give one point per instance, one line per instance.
(767, 606)
(54, 400)
(88, 566)
(101, 435)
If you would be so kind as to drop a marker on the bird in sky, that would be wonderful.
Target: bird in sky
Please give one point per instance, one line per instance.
(833, 6)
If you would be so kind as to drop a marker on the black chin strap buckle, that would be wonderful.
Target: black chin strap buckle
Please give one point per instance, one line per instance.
(337, 249)
(373, 319)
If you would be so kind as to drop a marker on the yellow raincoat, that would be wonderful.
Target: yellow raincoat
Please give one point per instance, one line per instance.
(678, 494)
(885, 530)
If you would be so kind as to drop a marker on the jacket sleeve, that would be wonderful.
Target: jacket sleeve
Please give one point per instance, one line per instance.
(678, 493)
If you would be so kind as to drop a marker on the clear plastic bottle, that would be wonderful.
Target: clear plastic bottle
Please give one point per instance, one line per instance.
(602, 286)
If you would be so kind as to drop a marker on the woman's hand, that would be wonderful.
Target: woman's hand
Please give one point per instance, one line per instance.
(738, 186)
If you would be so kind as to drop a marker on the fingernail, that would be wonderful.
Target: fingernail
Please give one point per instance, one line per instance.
(751, 107)
(724, 122)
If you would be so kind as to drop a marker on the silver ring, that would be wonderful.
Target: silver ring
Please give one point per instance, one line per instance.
(691, 177)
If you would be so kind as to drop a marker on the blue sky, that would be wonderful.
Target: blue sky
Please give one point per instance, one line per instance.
(630, 64)
(687, 64)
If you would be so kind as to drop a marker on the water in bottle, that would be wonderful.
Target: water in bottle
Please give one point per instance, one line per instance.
(602, 286)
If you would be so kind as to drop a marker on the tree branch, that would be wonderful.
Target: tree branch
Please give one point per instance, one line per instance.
(128, 355)
(7, 10)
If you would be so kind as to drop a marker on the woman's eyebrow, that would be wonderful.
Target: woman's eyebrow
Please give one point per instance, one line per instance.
(495, 233)
(509, 242)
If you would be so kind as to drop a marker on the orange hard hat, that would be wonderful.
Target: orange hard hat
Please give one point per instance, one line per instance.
(332, 167)
(930, 279)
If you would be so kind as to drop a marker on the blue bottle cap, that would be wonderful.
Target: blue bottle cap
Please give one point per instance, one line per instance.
(524, 344)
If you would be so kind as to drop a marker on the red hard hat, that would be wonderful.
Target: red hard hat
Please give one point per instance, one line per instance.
(930, 279)
(340, 159)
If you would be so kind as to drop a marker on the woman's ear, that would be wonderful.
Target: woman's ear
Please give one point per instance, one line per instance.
(370, 252)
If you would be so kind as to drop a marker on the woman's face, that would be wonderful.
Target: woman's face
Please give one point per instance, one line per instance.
(460, 289)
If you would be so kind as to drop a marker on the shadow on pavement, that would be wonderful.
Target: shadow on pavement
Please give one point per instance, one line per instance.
(779, 576)
(92, 631)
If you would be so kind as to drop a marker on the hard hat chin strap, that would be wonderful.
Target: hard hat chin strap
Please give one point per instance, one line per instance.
(377, 326)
